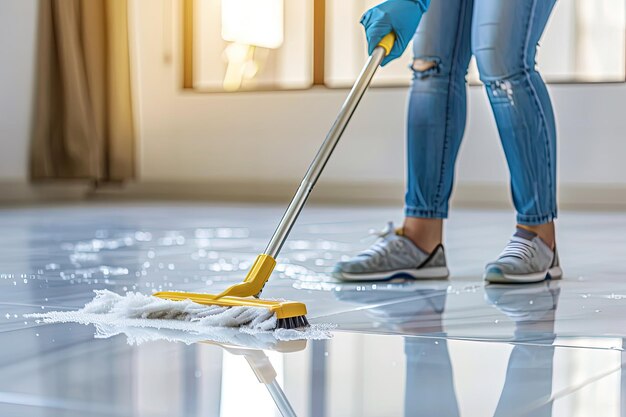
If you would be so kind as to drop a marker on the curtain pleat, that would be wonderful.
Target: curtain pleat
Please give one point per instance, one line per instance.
(121, 155)
(83, 125)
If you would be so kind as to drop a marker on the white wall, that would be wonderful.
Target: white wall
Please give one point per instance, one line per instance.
(18, 25)
(271, 136)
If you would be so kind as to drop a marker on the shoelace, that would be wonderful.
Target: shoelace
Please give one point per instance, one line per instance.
(380, 247)
(519, 248)
(388, 230)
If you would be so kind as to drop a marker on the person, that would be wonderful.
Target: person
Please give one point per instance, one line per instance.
(503, 36)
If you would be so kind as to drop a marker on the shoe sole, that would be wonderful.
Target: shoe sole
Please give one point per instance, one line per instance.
(500, 278)
(440, 272)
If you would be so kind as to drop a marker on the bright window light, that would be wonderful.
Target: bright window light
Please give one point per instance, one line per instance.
(253, 22)
(244, 45)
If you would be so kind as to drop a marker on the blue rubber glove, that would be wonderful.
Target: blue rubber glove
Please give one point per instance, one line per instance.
(398, 16)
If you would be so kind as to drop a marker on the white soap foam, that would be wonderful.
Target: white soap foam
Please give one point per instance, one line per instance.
(144, 318)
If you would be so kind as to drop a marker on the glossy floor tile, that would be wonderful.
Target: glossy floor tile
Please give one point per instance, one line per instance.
(403, 348)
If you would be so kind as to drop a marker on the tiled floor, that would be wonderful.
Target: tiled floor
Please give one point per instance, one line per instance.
(444, 348)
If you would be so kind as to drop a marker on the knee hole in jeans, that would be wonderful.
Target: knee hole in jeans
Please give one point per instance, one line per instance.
(425, 66)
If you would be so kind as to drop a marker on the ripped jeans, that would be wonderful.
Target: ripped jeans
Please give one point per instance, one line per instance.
(503, 36)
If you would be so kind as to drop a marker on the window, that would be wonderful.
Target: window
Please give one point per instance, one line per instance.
(346, 48)
(285, 44)
(248, 44)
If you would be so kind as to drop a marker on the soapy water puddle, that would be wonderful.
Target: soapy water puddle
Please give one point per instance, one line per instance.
(161, 258)
(147, 260)
(144, 318)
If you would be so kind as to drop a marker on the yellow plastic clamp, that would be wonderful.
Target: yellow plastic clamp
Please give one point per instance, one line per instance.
(387, 42)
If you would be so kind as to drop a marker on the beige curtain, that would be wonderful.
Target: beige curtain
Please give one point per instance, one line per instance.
(83, 125)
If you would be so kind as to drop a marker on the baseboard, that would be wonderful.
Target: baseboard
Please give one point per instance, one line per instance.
(337, 193)
(23, 192)
(572, 197)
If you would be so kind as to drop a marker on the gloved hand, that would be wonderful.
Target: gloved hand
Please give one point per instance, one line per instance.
(398, 16)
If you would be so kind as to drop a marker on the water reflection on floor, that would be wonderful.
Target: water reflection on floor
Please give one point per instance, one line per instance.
(444, 348)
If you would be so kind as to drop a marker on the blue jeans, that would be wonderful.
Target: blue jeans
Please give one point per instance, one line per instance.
(503, 36)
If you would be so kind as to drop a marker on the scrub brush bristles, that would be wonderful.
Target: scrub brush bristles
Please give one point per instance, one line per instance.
(292, 323)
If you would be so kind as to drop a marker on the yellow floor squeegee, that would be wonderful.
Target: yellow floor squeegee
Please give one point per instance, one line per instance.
(290, 314)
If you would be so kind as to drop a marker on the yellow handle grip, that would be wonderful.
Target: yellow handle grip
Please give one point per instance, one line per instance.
(387, 42)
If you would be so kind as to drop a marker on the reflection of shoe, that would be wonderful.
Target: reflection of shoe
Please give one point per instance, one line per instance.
(525, 303)
(393, 255)
(410, 308)
(525, 259)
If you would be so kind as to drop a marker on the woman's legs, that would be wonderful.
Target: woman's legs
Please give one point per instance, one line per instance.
(504, 40)
(436, 116)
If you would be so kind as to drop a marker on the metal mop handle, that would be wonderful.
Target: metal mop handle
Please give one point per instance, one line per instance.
(323, 155)
(264, 263)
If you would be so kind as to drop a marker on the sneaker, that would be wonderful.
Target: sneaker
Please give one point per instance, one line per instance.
(392, 256)
(525, 259)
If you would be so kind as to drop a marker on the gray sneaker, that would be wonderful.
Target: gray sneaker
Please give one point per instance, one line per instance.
(391, 256)
(525, 259)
